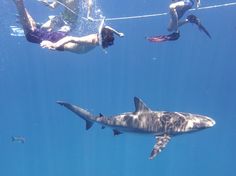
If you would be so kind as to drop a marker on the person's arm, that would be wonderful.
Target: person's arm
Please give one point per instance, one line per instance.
(52, 5)
(90, 39)
(120, 34)
(50, 45)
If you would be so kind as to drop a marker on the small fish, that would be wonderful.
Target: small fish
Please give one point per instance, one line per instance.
(19, 139)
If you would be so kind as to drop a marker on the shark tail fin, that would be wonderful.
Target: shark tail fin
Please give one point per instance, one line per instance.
(84, 114)
(13, 139)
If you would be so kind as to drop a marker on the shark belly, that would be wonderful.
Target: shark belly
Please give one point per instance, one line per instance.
(133, 123)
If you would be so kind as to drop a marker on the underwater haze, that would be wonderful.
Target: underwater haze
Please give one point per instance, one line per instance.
(194, 74)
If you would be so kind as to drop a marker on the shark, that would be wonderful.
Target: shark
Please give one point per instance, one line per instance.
(163, 125)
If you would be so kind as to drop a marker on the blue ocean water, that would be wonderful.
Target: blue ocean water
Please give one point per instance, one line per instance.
(194, 74)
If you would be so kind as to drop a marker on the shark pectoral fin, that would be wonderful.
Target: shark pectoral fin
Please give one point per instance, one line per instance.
(116, 132)
(160, 145)
(88, 124)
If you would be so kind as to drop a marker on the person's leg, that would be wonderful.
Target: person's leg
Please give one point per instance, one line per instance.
(48, 25)
(51, 45)
(89, 5)
(173, 25)
(26, 20)
(181, 23)
(54, 23)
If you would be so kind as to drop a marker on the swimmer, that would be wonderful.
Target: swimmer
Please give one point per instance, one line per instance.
(59, 40)
(177, 9)
(19, 139)
(80, 45)
(68, 17)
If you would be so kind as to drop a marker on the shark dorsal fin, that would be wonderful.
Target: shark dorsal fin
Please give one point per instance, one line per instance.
(139, 105)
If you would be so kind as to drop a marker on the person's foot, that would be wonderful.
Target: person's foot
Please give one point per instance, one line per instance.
(193, 19)
(173, 36)
(65, 29)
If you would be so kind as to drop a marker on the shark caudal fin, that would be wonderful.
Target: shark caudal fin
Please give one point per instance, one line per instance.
(87, 116)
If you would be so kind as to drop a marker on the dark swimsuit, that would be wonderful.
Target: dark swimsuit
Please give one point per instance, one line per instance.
(39, 35)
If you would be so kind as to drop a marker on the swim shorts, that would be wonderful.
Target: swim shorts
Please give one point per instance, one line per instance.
(39, 35)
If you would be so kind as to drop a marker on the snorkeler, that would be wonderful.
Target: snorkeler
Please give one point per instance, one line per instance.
(177, 9)
(68, 18)
(59, 40)
(80, 45)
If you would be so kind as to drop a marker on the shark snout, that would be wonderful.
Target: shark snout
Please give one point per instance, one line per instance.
(210, 122)
(199, 123)
(205, 122)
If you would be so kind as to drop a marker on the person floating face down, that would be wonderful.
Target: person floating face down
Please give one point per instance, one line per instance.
(105, 38)
(67, 20)
(59, 40)
(177, 9)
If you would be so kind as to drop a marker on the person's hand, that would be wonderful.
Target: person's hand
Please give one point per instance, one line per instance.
(90, 19)
(121, 34)
(47, 44)
(192, 18)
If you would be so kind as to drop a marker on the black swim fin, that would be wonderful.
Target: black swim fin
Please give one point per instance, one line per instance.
(162, 38)
(202, 28)
(193, 19)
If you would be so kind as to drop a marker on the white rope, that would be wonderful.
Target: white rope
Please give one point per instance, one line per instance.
(151, 15)
(62, 4)
(135, 17)
(165, 13)
(215, 6)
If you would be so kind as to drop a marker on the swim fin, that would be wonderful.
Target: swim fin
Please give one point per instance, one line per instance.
(162, 38)
(193, 19)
